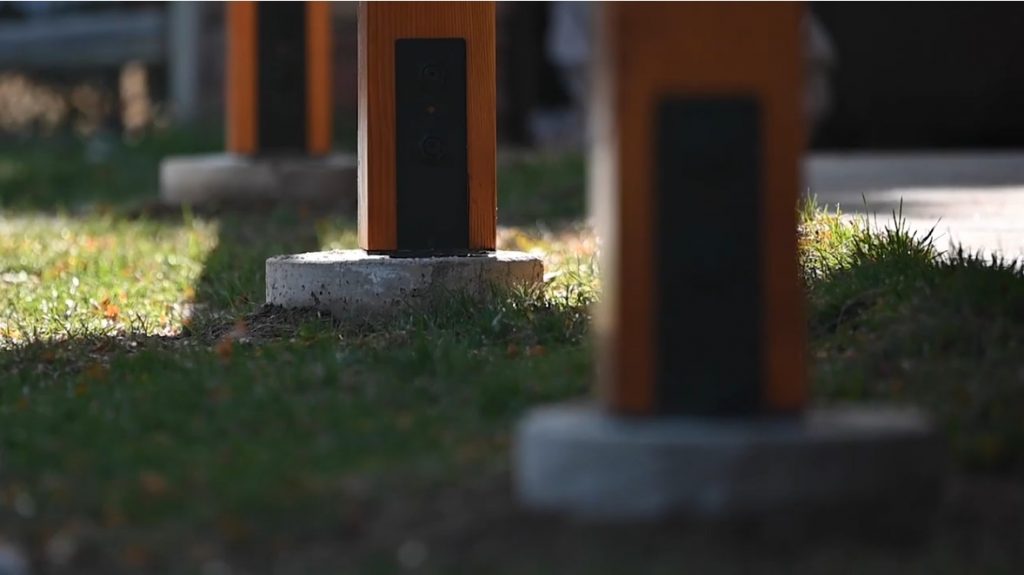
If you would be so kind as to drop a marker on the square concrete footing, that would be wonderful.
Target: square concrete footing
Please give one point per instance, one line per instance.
(230, 179)
(855, 462)
(355, 285)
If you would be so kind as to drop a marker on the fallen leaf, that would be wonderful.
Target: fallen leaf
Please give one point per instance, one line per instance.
(224, 348)
(113, 516)
(135, 556)
(109, 310)
(232, 528)
(96, 371)
(239, 330)
(152, 483)
(219, 394)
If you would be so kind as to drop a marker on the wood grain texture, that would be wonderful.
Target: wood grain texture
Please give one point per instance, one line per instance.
(380, 24)
(241, 93)
(651, 50)
(319, 111)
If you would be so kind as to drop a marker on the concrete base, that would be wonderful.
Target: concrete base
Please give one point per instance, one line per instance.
(579, 460)
(217, 179)
(352, 284)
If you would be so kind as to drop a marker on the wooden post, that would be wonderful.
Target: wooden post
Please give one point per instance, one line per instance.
(427, 148)
(279, 77)
(698, 141)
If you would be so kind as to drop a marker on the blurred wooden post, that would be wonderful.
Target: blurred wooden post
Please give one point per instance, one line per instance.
(696, 167)
(278, 93)
(699, 135)
(427, 182)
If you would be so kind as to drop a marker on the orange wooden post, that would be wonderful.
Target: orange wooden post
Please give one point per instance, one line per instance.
(698, 142)
(427, 148)
(278, 77)
(426, 163)
(240, 103)
(319, 82)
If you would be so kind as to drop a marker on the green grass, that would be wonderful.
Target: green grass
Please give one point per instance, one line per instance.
(541, 188)
(892, 317)
(154, 417)
(65, 174)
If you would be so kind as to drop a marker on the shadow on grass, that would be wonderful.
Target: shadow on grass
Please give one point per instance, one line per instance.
(220, 445)
(160, 453)
(233, 277)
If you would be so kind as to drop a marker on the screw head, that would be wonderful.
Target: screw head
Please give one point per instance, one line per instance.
(432, 77)
(432, 148)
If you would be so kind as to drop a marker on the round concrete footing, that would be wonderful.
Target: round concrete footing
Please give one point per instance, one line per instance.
(580, 460)
(352, 284)
(217, 179)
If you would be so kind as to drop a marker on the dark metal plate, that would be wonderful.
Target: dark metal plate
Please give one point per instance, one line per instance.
(707, 205)
(430, 144)
(281, 76)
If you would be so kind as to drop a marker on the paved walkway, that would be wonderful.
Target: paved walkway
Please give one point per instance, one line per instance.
(973, 198)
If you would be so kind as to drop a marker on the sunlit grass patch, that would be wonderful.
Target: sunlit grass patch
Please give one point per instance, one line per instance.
(62, 276)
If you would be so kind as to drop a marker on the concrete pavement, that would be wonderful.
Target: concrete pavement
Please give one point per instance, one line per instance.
(974, 198)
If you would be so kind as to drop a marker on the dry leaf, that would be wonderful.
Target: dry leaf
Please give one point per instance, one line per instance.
(239, 330)
(152, 483)
(225, 345)
(109, 310)
(96, 371)
(219, 394)
(224, 348)
(135, 556)
(232, 528)
(113, 516)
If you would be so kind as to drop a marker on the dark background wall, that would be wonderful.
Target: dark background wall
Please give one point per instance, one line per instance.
(913, 75)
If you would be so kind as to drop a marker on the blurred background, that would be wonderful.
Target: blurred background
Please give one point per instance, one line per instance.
(900, 75)
(107, 299)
